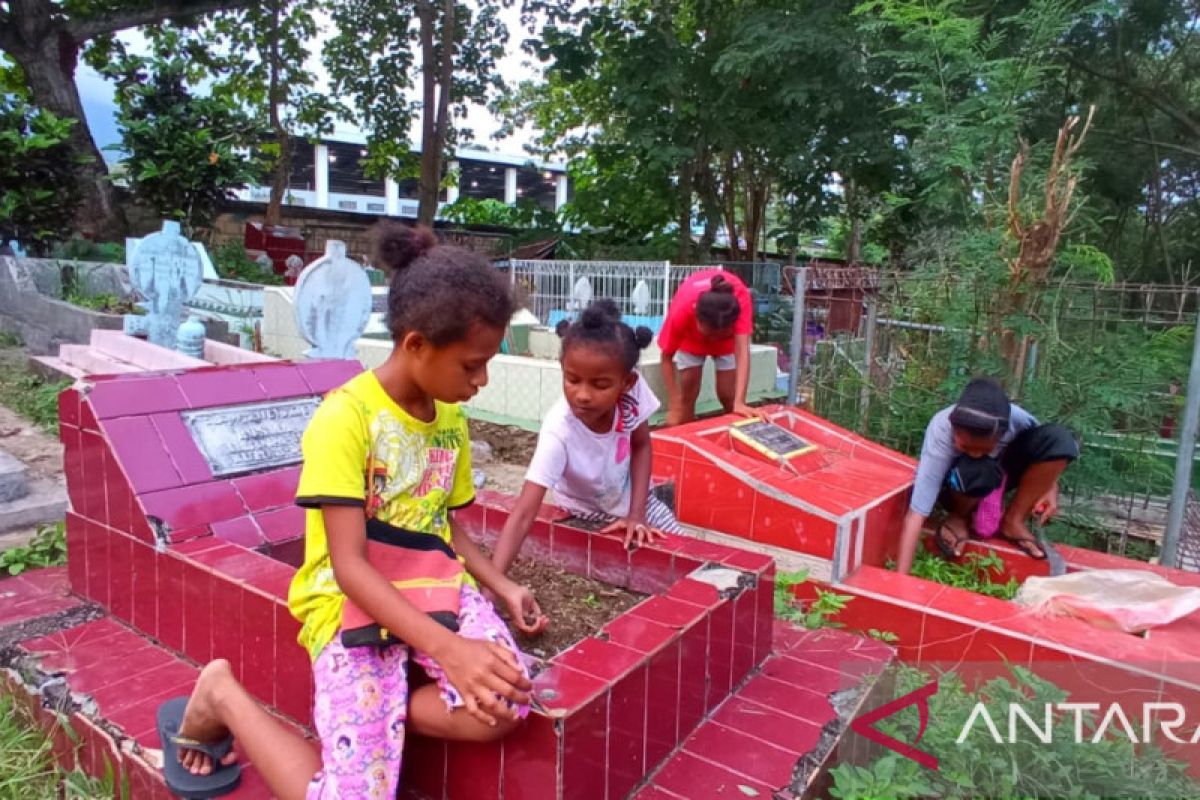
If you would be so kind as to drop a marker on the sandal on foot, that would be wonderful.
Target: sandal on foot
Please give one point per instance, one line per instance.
(947, 550)
(1027, 545)
(222, 780)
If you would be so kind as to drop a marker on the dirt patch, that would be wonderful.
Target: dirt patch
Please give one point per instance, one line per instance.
(509, 445)
(577, 606)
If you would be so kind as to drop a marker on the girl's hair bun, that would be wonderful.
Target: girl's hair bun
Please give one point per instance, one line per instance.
(642, 337)
(398, 245)
(562, 327)
(719, 284)
(600, 314)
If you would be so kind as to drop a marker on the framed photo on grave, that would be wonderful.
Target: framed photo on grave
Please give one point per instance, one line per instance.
(771, 441)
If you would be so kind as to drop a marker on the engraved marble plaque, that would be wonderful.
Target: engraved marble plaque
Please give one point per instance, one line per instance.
(247, 438)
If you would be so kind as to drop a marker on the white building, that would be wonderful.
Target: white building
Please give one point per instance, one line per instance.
(329, 175)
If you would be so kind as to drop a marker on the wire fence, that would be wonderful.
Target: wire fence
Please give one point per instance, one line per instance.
(1110, 361)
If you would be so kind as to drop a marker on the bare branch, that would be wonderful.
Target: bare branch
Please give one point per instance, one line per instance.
(159, 10)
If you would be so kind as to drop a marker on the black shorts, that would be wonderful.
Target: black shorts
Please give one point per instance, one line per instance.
(979, 477)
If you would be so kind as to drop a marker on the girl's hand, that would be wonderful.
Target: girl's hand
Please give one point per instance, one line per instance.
(524, 609)
(636, 531)
(486, 675)
(1047, 507)
(744, 410)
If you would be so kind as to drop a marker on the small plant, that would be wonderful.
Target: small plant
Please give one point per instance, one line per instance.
(233, 263)
(47, 548)
(31, 397)
(78, 248)
(819, 613)
(883, 636)
(9, 340)
(973, 573)
(591, 601)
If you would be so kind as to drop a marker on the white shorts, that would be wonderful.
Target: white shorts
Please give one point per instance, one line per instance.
(690, 360)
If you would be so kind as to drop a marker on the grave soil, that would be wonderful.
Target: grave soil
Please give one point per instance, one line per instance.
(510, 445)
(577, 606)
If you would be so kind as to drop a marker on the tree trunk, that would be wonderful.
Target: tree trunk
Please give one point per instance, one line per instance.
(686, 181)
(854, 242)
(282, 171)
(49, 68)
(437, 78)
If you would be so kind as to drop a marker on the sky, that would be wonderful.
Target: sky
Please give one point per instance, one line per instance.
(96, 92)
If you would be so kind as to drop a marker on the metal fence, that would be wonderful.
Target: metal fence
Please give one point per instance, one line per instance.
(1110, 361)
(555, 290)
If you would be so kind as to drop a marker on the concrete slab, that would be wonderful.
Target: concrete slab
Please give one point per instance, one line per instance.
(14, 480)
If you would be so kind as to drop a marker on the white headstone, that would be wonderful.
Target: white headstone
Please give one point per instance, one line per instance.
(333, 303)
(166, 272)
(640, 297)
(581, 294)
(210, 270)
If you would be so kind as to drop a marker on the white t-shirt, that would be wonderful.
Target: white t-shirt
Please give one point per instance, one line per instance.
(589, 472)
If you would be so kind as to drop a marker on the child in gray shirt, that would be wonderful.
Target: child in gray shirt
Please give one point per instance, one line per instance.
(975, 452)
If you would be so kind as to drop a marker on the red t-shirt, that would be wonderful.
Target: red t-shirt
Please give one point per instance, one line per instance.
(680, 331)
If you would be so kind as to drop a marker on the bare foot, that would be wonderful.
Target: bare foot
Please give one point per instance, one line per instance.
(955, 531)
(1017, 533)
(201, 719)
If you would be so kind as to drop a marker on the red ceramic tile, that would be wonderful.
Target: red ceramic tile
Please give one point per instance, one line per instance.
(695, 592)
(743, 754)
(600, 659)
(280, 380)
(135, 397)
(669, 611)
(662, 704)
(627, 733)
(119, 668)
(701, 550)
(227, 631)
(78, 636)
(473, 769)
(119, 498)
(471, 519)
(323, 375)
(424, 768)
(695, 778)
(562, 689)
(812, 677)
(693, 678)
(608, 560)
(170, 596)
(87, 416)
(120, 576)
(68, 407)
(268, 489)
(907, 624)
(120, 701)
(652, 792)
(748, 561)
(764, 619)
(720, 654)
(569, 547)
(181, 448)
(711, 498)
(96, 542)
(144, 459)
(744, 613)
(585, 751)
(651, 571)
(77, 552)
(793, 700)
(220, 387)
(769, 725)
(145, 588)
(193, 506)
(92, 499)
(638, 633)
(197, 613)
(72, 465)
(258, 644)
(293, 669)
(530, 762)
(282, 524)
(275, 581)
(242, 531)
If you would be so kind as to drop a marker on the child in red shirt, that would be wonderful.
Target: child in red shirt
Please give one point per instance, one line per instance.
(710, 315)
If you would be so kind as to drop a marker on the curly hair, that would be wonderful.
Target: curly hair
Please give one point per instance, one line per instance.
(600, 325)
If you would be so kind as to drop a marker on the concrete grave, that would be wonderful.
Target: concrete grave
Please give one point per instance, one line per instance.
(167, 273)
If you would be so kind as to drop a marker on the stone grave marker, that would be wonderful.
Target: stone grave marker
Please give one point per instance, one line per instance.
(166, 271)
(333, 303)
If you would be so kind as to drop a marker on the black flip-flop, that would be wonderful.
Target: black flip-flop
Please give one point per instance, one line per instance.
(1025, 545)
(947, 550)
(223, 779)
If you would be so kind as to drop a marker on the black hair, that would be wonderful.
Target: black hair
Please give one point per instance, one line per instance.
(600, 325)
(718, 308)
(439, 291)
(983, 408)
(395, 245)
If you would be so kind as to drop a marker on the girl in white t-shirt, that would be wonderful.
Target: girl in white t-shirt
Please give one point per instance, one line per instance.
(594, 446)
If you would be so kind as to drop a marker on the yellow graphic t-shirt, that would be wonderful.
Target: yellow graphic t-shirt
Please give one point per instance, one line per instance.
(362, 449)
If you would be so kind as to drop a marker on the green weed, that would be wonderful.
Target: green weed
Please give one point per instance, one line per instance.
(47, 548)
(31, 396)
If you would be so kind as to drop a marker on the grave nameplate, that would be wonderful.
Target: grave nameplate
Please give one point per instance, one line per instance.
(769, 439)
(246, 438)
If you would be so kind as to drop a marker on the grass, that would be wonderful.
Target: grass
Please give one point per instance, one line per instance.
(27, 767)
(974, 572)
(47, 548)
(31, 396)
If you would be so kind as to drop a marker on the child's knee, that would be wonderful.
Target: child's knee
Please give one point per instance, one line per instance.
(502, 728)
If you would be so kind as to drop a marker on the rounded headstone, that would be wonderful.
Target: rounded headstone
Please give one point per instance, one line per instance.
(333, 303)
(166, 271)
